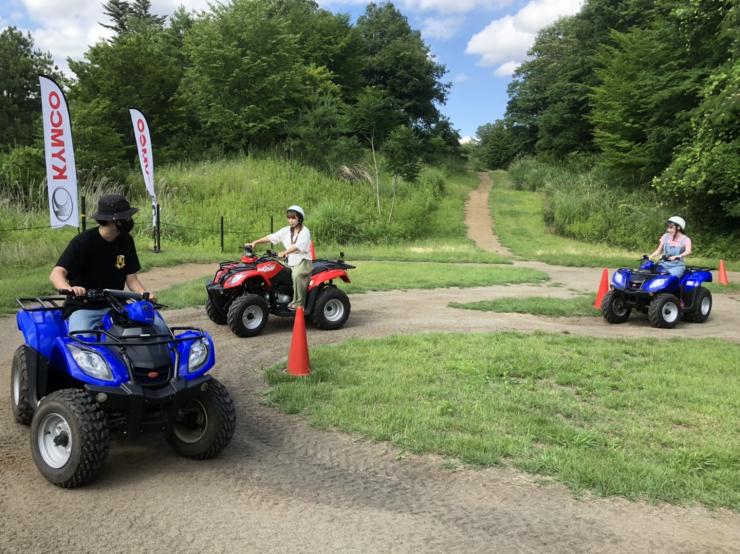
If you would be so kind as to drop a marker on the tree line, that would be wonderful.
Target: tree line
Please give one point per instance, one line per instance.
(246, 76)
(650, 89)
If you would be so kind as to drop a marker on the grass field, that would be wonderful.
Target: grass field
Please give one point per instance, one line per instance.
(536, 305)
(646, 419)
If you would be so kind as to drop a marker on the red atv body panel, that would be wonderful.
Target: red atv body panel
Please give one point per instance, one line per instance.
(264, 272)
(325, 276)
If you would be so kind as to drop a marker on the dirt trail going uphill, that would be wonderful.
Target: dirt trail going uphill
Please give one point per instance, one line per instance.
(478, 218)
(282, 486)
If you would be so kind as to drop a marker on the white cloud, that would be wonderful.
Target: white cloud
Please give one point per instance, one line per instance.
(505, 41)
(468, 140)
(453, 6)
(441, 6)
(441, 28)
(506, 69)
(67, 29)
(461, 78)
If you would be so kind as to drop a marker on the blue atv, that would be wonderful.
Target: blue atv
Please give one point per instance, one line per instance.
(77, 389)
(665, 298)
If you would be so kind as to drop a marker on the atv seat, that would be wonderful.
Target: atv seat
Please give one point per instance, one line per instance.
(320, 266)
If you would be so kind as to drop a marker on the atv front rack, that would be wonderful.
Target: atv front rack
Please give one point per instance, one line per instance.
(77, 336)
(41, 303)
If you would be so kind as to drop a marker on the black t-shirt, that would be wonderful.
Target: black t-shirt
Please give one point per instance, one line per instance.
(95, 263)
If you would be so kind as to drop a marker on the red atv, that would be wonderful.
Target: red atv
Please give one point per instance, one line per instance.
(244, 293)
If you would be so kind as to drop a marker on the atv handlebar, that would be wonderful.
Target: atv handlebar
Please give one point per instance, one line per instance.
(94, 294)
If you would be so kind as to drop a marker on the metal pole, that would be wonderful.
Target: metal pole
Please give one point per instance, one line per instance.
(159, 246)
(222, 233)
(83, 217)
(272, 230)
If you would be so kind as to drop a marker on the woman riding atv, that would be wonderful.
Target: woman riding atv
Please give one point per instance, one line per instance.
(674, 247)
(296, 240)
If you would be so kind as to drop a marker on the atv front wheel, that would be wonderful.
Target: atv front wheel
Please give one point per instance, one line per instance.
(331, 310)
(205, 425)
(214, 314)
(69, 438)
(613, 308)
(22, 408)
(664, 311)
(702, 307)
(248, 315)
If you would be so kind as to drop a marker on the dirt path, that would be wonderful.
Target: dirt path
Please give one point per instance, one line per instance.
(478, 218)
(282, 486)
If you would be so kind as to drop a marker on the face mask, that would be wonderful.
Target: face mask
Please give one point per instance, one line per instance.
(125, 226)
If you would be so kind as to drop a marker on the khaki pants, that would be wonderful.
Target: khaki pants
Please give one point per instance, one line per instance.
(301, 275)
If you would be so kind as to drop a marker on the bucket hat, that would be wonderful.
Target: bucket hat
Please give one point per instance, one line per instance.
(113, 207)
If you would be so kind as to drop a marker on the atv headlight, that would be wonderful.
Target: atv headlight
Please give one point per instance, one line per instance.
(92, 363)
(198, 354)
(618, 279)
(658, 283)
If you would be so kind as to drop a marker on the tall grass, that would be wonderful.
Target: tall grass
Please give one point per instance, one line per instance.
(582, 204)
(246, 192)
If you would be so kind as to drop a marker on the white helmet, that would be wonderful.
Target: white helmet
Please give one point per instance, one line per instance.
(678, 221)
(297, 209)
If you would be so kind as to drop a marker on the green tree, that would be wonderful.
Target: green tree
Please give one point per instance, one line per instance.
(372, 117)
(495, 148)
(246, 79)
(140, 68)
(704, 174)
(20, 107)
(396, 60)
(650, 84)
(402, 156)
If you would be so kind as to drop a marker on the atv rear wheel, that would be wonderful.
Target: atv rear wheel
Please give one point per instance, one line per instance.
(22, 408)
(69, 438)
(331, 310)
(702, 307)
(248, 315)
(613, 308)
(664, 311)
(214, 314)
(204, 425)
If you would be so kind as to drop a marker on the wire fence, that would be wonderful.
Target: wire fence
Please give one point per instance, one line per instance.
(219, 229)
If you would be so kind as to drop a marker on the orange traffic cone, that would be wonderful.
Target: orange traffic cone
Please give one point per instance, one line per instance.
(723, 280)
(298, 362)
(313, 252)
(603, 289)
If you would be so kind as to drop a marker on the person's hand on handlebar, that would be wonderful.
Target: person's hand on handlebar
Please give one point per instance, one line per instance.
(78, 291)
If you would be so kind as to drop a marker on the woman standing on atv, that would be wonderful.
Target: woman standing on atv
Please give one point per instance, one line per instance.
(296, 239)
(675, 246)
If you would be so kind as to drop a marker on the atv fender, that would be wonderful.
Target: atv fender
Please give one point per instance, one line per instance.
(325, 276)
(238, 279)
(696, 278)
(41, 328)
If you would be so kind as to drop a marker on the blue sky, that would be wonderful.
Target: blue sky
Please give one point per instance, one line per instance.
(480, 42)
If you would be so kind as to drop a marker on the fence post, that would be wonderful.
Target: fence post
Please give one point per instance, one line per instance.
(272, 230)
(83, 217)
(222, 233)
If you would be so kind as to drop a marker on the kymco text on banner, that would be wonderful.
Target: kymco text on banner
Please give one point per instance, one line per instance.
(144, 146)
(61, 173)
